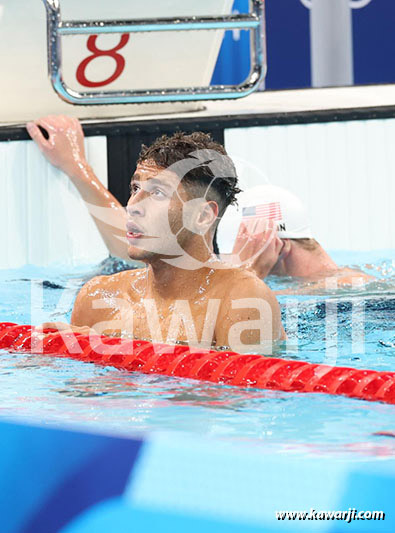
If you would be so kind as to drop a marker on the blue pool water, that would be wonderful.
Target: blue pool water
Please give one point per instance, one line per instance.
(54, 391)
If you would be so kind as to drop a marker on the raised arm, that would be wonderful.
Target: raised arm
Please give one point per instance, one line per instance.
(64, 148)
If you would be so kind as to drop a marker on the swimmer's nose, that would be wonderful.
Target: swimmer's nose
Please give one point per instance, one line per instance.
(135, 206)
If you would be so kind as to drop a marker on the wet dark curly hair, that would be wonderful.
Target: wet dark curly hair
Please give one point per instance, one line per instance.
(208, 169)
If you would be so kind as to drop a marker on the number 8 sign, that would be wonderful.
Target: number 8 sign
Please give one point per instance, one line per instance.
(97, 52)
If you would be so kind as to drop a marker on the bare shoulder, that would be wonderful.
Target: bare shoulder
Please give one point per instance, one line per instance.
(116, 282)
(239, 283)
(123, 285)
(242, 288)
(247, 299)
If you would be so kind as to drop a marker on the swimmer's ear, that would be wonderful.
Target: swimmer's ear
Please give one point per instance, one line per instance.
(207, 216)
(285, 249)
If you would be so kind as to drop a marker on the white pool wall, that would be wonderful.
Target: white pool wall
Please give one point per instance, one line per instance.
(43, 219)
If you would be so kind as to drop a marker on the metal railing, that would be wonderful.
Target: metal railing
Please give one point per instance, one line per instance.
(253, 21)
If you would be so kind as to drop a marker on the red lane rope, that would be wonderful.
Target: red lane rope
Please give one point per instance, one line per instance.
(243, 370)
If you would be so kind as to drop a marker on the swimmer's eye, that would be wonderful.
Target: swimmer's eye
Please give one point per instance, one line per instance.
(134, 188)
(158, 193)
(154, 192)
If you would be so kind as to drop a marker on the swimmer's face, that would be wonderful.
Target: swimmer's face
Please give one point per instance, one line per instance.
(156, 213)
(278, 269)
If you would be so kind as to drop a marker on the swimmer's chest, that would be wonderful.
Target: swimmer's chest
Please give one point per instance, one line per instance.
(176, 321)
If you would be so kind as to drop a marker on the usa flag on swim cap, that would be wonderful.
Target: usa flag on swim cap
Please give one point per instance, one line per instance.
(271, 211)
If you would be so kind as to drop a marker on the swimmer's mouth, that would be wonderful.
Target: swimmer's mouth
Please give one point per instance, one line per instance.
(133, 231)
(132, 236)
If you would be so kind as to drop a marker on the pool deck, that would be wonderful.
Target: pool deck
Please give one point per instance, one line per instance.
(260, 108)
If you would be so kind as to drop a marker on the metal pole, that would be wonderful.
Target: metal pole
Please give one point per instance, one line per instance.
(331, 43)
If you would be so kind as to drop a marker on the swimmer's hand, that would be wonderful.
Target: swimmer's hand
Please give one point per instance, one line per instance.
(258, 245)
(66, 328)
(64, 147)
(40, 333)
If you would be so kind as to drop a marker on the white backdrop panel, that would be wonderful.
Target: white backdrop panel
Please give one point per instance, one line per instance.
(343, 171)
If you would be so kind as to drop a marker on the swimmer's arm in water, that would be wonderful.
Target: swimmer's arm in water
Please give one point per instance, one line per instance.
(68, 328)
(65, 150)
(352, 279)
(98, 304)
(249, 318)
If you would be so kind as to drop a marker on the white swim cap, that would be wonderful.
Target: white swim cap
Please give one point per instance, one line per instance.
(270, 202)
(276, 203)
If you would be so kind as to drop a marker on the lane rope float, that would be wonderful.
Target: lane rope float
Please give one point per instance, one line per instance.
(225, 367)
